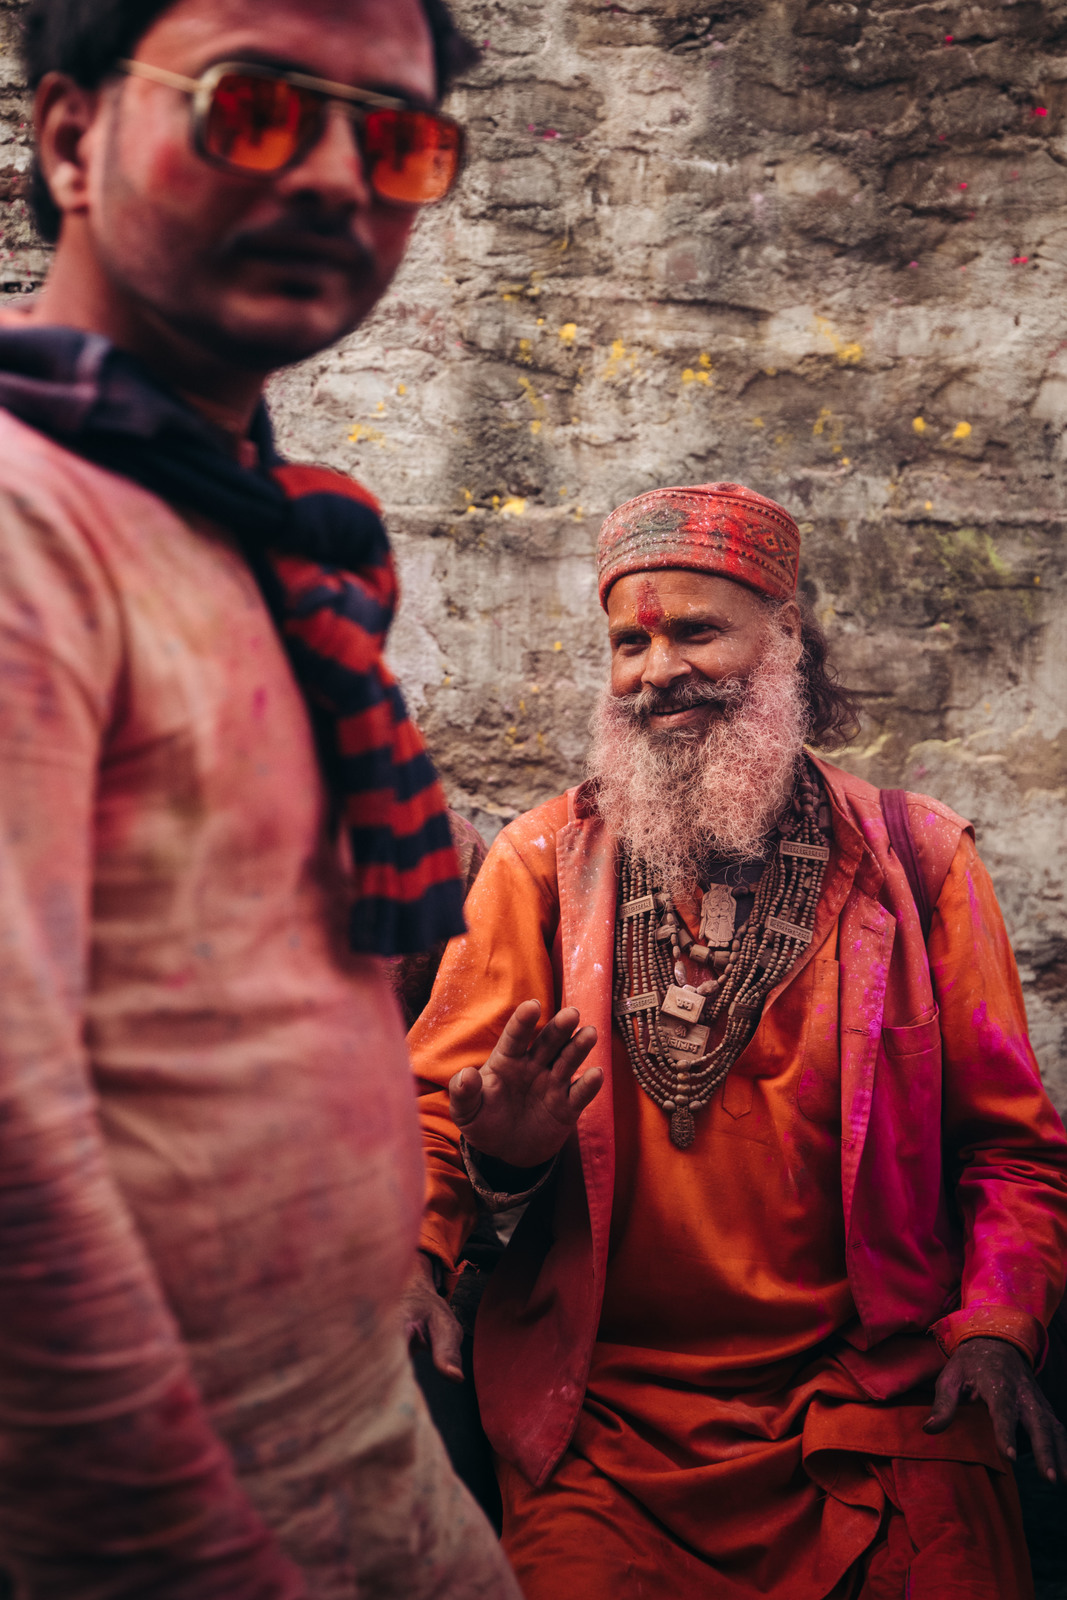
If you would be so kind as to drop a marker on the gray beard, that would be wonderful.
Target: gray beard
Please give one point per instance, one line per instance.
(673, 799)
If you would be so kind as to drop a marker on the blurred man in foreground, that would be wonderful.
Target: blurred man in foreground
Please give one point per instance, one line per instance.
(216, 818)
(795, 1187)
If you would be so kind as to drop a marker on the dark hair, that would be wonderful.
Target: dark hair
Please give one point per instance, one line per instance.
(833, 710)
(87, 38)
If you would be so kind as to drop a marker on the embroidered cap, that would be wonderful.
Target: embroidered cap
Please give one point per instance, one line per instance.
(721, 528)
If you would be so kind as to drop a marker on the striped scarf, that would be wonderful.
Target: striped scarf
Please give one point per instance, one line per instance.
(317, 547)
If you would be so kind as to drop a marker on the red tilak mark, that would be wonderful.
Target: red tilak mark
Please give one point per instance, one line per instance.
(649, 610)
(949, 38)
(963, 186)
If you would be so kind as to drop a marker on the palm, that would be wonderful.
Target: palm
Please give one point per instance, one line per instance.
(523, 1103)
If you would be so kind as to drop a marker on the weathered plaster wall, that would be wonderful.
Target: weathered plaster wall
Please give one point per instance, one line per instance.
(819, 247)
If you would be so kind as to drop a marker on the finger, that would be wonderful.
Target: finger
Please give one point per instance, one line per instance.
(519, 1030)
(573, 1054)
(946, 1401)
(1047, 1438)
(1003, 1408)
(465, 1096)
(554, 1037)
(445, 1338)
(584, 1090)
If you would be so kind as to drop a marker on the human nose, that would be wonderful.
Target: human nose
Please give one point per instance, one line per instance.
(664, 663)
(333, 168)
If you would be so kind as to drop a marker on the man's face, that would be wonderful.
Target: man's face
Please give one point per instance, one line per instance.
(676, 635)
(259, 271)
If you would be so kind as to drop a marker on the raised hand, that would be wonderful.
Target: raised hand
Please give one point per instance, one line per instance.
(522, 1104)
(994, 1371)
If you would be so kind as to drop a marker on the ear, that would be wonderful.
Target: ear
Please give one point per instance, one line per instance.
(63, 114)
(787, 619)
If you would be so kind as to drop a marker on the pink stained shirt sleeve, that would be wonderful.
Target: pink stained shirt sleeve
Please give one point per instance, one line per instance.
(112, 1480)
(1004, 1143)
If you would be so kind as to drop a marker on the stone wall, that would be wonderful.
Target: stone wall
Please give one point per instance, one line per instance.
(818, 247)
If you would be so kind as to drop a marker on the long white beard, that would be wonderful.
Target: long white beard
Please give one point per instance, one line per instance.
(674, 798)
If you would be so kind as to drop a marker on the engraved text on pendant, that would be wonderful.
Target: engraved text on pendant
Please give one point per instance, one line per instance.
(683, 1129)
(717, 917)
(683, 1044)
(682, 1001)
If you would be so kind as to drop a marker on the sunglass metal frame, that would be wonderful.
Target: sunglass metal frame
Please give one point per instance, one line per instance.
(356, 102)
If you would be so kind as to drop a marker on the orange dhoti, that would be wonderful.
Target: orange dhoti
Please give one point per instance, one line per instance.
(723, 1448)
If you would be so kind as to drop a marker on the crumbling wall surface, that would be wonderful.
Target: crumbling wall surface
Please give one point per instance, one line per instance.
(818, 247)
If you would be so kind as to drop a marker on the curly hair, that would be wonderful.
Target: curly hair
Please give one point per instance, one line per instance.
(85, 39)
(833, 710)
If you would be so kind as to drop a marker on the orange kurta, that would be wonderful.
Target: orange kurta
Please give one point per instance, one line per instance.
(711, 1412)
(722, 1447)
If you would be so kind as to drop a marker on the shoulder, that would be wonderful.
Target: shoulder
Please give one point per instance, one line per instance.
(937, 831)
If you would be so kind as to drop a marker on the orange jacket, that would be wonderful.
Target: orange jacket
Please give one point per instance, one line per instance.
(953, 1161)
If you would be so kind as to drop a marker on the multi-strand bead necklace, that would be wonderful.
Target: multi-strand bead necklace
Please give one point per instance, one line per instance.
(665, 1021)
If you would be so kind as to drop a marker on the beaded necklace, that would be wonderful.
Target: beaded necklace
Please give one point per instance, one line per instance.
(665, 1021)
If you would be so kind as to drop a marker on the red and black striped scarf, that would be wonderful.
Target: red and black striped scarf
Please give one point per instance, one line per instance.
(318, 549)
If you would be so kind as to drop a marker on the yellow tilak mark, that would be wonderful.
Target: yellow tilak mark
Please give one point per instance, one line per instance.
(962, 430)
(513, 507)
(919, 424)
(569, 332)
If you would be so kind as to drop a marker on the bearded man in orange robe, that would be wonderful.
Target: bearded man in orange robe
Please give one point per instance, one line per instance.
(798, 1201)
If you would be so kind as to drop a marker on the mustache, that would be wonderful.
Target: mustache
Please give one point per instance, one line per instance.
(319, 237)
(652, 702)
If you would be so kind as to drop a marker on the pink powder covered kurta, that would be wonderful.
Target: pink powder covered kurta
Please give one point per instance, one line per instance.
(211, 1180)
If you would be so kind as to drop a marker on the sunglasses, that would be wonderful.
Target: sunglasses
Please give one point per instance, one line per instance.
(259, 120)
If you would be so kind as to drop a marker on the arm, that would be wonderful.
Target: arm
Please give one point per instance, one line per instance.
(483, 1066)
(1008, 1150)
(112, 1481)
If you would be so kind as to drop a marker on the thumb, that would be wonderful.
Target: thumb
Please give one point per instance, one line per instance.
(465, 1096)
(946, 1400)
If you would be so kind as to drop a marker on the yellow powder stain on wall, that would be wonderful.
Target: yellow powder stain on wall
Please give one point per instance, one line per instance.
(514, 506)
(848, 354)
(962, 430)
(619, 355)
(689, 376)
(401, 388)
(821, 420)
(705, 359)
(363, 433)
(919, 424)
(569, 332)
(535, 426)
(558, 645)
(525, 352)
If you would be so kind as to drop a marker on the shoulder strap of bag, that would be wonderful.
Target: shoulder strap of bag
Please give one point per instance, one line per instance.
(898, 827)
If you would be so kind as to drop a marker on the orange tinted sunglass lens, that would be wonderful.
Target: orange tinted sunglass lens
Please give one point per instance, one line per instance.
(412, 156)
(258, 124)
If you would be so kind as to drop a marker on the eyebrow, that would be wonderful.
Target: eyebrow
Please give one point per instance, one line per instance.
(705, 619)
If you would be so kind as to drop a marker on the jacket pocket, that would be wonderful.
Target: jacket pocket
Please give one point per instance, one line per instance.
(922, 1038)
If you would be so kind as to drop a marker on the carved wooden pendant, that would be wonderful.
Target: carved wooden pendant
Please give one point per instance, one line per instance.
(683, 1001)
(684, 1045)
(717, 917)
(683, 1128)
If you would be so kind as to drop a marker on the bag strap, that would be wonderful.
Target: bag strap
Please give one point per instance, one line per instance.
(898, 826)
